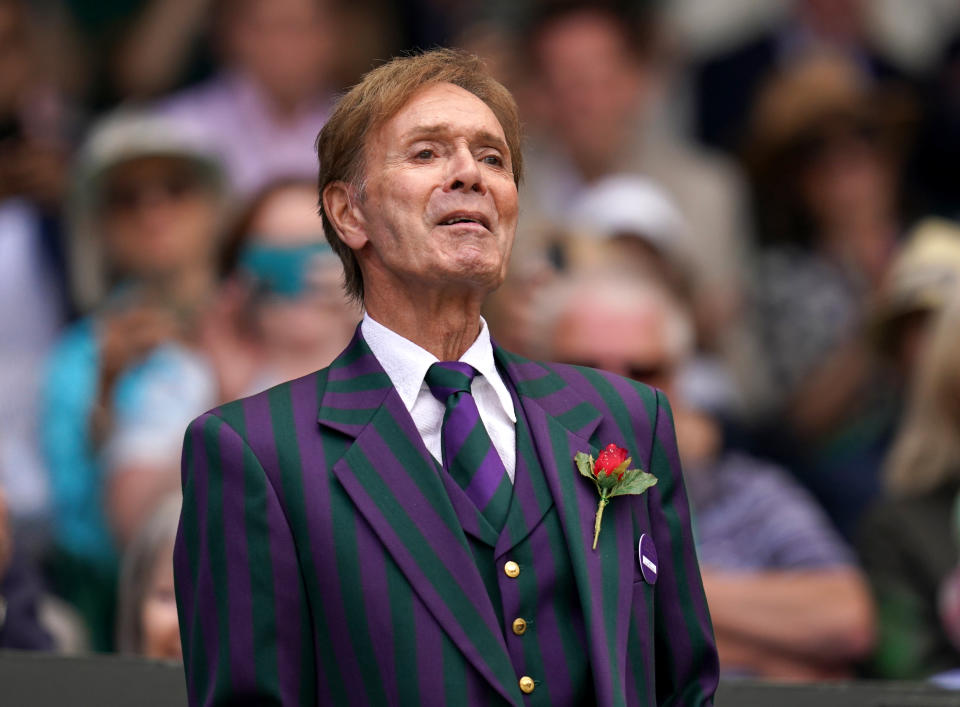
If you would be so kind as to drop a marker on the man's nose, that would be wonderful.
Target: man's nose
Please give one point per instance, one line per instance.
(464, 173)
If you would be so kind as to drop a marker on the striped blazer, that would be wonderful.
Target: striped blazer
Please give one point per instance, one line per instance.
(319, 559)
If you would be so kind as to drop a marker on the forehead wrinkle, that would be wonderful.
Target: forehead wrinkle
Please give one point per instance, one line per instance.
(446, 129)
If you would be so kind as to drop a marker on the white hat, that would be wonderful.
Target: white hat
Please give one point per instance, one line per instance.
(630, 205)
(129, 134)
(125, 135)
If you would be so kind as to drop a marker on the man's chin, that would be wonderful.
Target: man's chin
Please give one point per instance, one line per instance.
(469, 279)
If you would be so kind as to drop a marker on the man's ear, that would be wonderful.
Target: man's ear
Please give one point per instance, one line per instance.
(341, 204)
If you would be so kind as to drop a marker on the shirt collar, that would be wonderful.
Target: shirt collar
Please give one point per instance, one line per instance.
(406, 363)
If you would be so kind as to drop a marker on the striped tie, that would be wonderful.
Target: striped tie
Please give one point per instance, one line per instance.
(468, 454)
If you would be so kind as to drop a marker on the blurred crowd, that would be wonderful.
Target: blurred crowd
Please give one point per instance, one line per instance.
(758, 216)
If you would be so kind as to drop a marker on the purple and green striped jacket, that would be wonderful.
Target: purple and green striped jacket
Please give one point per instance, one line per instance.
(319, 559)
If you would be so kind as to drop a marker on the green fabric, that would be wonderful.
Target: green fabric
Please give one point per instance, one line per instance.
(907, 547)
(92, 590)
(376, 593)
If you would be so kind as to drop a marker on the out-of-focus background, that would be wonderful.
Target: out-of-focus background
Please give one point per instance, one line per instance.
(750, 204)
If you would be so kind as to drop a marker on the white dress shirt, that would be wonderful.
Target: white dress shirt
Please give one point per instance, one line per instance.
(406, 364)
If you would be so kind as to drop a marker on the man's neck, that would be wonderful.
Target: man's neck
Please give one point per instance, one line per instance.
(444, 325)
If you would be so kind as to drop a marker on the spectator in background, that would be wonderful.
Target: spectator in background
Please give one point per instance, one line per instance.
(634, 216)
(825, 166)
(147, 207)
(593, 85)
(280, 314)
(920, 282)
(20, 626)
(282, 311)
(909, 541)
(725, 86)
(36, 119)
(125, 50)
(262, 112)
(34, 127)
(785, 596)
(624, 218)
(160, 46)
(147, 607)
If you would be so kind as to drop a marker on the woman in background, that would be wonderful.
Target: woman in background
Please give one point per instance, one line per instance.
(825, 157)
(147, 207)
(282, 311)
(909, 542)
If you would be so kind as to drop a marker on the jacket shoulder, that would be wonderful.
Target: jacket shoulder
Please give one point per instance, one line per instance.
(584, 377)
(613, 389)
(236, 412)
(614, 395)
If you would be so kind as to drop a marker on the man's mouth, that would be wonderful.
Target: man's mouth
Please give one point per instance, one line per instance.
(461, 217)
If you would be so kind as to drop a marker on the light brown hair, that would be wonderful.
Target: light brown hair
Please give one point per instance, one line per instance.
(926, 453)
(378, 97)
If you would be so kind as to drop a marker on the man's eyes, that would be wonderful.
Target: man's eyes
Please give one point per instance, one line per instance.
(429, 153)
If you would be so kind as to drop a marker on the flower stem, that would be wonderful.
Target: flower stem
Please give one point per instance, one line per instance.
(596, 523)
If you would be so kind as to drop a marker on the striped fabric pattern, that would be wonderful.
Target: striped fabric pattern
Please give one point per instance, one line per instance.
(468, 452)
(320, 558)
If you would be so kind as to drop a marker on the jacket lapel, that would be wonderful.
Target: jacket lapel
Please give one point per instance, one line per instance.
(563, 422)
(392, 479)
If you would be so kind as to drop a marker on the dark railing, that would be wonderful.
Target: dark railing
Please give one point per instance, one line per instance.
(43, 680)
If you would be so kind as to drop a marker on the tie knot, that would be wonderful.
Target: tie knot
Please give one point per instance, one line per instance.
(444, 378)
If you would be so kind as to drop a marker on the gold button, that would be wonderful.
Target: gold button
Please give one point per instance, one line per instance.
(511, 568)
(519, 626)
(526, 684)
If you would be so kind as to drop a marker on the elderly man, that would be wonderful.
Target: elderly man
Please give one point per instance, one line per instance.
(408, 526)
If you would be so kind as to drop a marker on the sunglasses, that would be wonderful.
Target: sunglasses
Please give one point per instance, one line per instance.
(640, 373)
(131, 195)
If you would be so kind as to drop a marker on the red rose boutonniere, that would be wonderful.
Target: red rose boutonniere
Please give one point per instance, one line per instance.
(610, 475)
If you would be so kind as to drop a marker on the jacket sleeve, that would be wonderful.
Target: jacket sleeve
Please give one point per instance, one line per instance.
(244, 624)
(686, 657)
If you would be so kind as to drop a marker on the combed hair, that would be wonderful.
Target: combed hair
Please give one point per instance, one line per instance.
(378, 97)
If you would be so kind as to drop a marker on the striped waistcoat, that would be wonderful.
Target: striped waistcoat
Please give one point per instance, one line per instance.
(543, 597)
(321, 560)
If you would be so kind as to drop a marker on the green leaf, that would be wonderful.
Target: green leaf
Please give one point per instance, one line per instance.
(606, 483)
(634, 481)
(584, 463)
(622, 467)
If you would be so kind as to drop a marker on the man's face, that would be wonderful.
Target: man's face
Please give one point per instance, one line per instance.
(628, 341)
(439, 208)
(590, 89)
